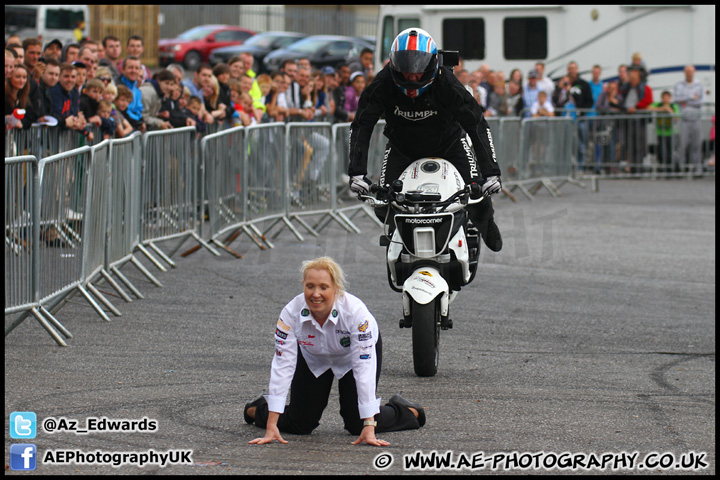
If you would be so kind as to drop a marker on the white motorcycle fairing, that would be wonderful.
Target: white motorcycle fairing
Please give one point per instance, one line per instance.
(424, 286)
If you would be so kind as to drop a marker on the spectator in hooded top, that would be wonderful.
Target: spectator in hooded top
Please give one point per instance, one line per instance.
(152, 94)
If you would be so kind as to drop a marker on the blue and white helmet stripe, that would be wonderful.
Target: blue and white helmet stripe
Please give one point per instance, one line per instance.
(423, 42)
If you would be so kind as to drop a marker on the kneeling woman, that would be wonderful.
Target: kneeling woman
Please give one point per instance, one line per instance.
(321, 333)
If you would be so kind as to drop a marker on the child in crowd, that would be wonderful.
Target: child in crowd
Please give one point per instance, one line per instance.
(252, 115)
(124, 125)
(91, 95)
(542, 106)
(108, 123)
(179, 114)
(194, 105)
(353, 91)
(237, 119)
(109, 94)
(81, 70)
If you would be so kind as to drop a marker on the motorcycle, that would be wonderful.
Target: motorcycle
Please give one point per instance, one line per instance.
(433, 250)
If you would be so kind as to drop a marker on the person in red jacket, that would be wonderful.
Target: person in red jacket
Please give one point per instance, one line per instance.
(637, 97)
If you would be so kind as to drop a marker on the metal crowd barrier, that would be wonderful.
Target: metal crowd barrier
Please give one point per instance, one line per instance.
(222, 160)
(22, 252)
(263, 184)
(376, 153)
(123, 217)
(647, 145)
(169, 192)
(310, 176)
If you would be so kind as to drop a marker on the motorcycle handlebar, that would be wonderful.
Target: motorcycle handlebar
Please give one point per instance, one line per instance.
(392, 196)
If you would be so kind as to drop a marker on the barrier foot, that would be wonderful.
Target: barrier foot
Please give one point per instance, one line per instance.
(347, 220)
(54, 321)
(43, 321)
(578, 182)
(523, 189)
(205, 244)
(127, 283)
(269, 228)
(145, 271)
(259, 234)
(302, 222)
(346, 223)
(550, 186)
(249, 233)
(151, 258)
(226, 248)
(509, 194)
(93, 303)
(111, 281)
(286, 221)
(103, 299)
(162, 255)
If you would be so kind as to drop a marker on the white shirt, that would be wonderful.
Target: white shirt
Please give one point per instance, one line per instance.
(536, 107)
(345, 342)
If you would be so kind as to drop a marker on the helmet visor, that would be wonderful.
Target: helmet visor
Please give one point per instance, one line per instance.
(410, 61)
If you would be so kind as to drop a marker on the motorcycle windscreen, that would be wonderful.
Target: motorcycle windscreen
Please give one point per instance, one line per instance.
(427, 235)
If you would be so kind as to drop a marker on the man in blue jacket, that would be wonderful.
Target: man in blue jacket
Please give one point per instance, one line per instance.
(131, 70)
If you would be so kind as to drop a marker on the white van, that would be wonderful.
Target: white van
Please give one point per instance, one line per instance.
(47, 22)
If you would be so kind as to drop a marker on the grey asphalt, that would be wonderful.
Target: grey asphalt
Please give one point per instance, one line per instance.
(593, 331)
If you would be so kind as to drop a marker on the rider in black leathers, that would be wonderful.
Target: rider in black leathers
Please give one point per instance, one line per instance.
(428, 114)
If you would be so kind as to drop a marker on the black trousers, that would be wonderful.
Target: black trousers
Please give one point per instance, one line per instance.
(309, 397)
(461, 156)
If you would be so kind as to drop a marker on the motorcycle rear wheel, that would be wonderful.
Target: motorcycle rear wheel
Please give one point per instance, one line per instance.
(425, 337)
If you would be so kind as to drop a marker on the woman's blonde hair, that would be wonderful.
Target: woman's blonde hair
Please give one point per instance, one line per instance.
(212, 100)
(331, 266)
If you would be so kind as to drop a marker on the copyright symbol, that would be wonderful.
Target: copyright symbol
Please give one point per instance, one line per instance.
(49, 424)
(383, 461)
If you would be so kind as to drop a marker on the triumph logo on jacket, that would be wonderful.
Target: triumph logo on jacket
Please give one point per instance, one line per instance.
(413, 115)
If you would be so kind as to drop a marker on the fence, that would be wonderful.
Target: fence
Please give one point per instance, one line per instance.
(79, 216)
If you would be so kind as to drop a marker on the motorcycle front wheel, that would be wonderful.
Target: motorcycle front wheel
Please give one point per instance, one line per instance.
(425, 337)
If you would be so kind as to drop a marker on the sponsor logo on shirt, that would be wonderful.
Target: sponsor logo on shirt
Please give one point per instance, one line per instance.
(281, 334)
(345, 342)
(414, 115)
(365, 336)
(305, 312)
(334, 313)
(283, 326)
(363, 326)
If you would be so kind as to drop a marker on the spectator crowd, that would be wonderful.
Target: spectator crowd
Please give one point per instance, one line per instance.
(104, 83)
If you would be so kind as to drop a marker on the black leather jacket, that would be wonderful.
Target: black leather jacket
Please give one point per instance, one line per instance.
(425, 126)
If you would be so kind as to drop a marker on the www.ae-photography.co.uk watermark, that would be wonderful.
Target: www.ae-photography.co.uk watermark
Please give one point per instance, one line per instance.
(549, 461)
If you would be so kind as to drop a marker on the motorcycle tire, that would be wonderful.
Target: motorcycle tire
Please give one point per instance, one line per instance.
(425, 337)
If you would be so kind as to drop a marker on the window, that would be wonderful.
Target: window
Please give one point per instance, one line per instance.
(339, 49)
(62, 19)
(389, 33)
(466, 35)
(18, 17)
(525, 38)
(240, 36)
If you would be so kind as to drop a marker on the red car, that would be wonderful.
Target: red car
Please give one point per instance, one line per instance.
(193, 47)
